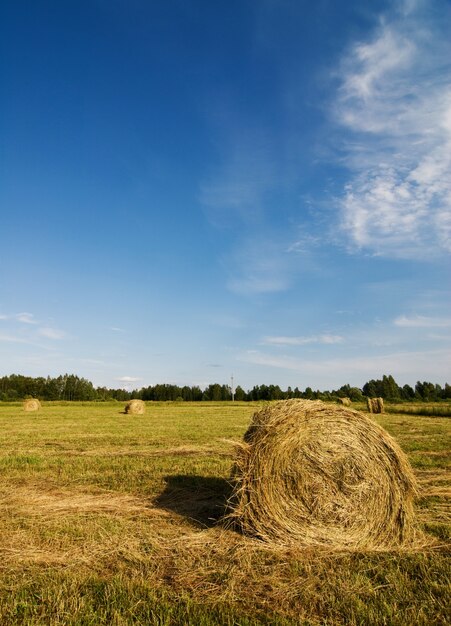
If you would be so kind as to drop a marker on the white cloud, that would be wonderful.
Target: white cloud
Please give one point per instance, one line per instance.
(420, 321)
(301, 341)
(52, 333)
(395, 98)
(369, 66)
(26, 318)
(128, 379)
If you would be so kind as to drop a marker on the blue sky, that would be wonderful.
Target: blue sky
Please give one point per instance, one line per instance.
(192, 189)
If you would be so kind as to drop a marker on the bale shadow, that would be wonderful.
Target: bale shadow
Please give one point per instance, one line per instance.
(201, 500)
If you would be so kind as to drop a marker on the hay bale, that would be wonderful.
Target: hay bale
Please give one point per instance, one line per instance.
(375, 405)
(31, 404)
(345, 401)
(317, 474)
(135, 407)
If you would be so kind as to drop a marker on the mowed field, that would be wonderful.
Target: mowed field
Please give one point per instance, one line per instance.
(109, 518)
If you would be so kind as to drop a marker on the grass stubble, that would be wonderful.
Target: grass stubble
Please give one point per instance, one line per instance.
(106, 519)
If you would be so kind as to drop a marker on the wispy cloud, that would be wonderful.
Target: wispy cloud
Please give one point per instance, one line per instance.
(405, 365)
(301, 341)
(237, 195)
(51, 333)
(420, 321)
(304, 243)
(23, 318)
(259, 265)
(242, 194)
(26, 318)
(395, 98)
(12, 339)
(238, 187)
(226, 321)
(24, 328)
(128, 379)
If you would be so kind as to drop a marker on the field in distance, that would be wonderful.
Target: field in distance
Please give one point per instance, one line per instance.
(110, 518)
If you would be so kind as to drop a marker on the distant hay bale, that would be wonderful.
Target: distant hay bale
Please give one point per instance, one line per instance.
(317, 474)
(135, 407)
(31, 404)
(345, 401)
(375, 405)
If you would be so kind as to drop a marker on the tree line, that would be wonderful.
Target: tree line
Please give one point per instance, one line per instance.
(72, 387)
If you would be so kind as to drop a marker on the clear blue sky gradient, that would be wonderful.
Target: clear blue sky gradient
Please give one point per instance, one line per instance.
(192, 189)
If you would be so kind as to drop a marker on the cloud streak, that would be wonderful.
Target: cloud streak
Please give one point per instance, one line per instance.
(26, 318)
(23, 318)
(238, 188)
(12, 339)
(52, 333)
(26, 329)
(302, 341)
(260, 265)
(395, 99)
(420, 321)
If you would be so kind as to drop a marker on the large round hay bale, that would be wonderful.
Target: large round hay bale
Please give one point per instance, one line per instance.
(135, 407)
(375, 405)
(31, 404)
(311, 473)
(345, 401)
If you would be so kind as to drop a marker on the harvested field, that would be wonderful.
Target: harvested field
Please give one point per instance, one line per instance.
(107, 520)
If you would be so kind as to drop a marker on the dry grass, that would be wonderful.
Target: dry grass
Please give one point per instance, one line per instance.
(316, 474)
(39, 500)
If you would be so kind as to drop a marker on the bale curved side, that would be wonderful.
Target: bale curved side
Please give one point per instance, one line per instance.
(318, 474)
(31, 404)
(135, 407)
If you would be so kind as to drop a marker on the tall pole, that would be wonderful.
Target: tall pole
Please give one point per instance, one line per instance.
(233, 390)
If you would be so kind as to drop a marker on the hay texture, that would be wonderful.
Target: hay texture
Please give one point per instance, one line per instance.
(345, 401)
(135, 407)
(32, 404)
(375, 405)
(317, 474)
